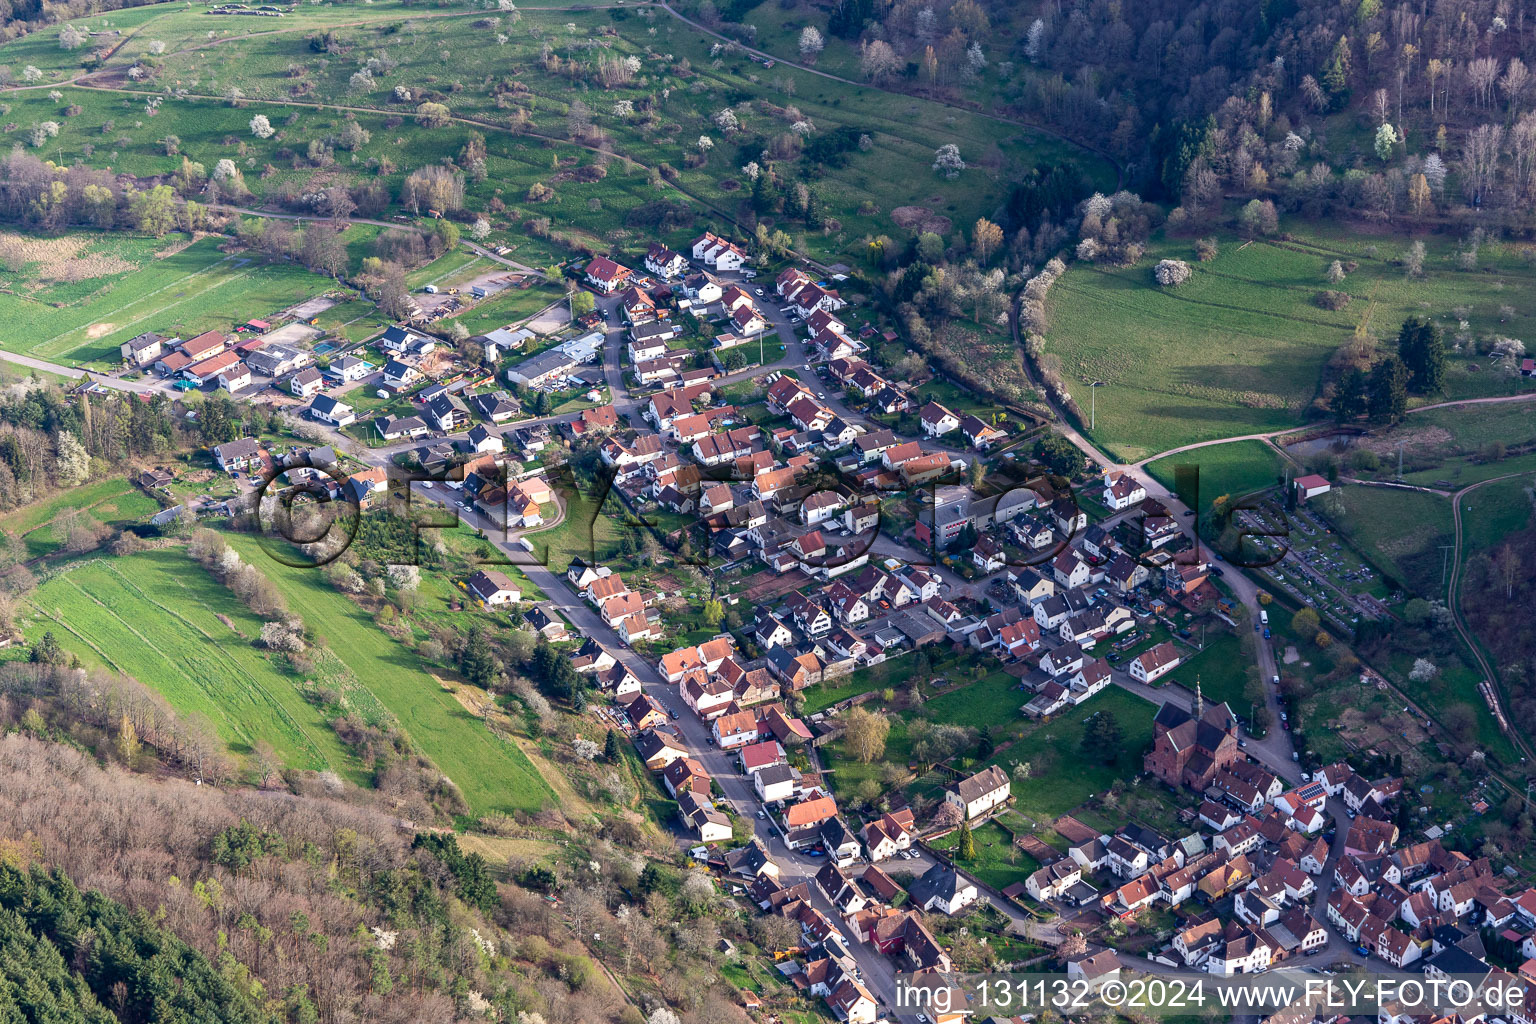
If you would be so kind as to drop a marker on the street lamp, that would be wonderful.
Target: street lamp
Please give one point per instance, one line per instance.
(1093, 403)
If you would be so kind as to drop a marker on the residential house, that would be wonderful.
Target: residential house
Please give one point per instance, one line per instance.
(236, 378)
(942, 888)
(329, 410)
(1121, 491)
(233, 456)
(658, 749)
(645, 712)
(392, 428)
(347, 369)
(142, 348)
(663, 262)
(735, 729)
(1154, 663)
(606, 276)
(937, 420)
(703, 819)
(489, 588)
(306, 383)
(685, 775)
(776, 783)
(447, 412)
(398, 375)
(978, 794)
(980, 435)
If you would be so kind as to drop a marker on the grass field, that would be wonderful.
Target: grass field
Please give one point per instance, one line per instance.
(592, 529)
(493, 774)
(1222, 669)
(1241, 347)
(998, 862)
(1225, 469)
(1063, 778)
(1401, 531)
(157, 617)
(1496, 510)
(1060, 778)
(146, 287)
(113, 501)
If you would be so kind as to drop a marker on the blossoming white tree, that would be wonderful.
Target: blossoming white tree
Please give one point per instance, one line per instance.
(946, 161)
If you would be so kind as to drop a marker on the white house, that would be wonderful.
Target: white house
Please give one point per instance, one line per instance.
(328, 410)
(605, 275)
(980, 793)
(776, 783)
(1246, 954)
(1121, 491)
(937, 420)
(489, 588)
(663, 262)
(1053, 880)
(1155, 663)
(944, 889)
(235, 378)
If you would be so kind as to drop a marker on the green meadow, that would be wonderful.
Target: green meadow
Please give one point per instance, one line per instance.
(159, 617)
(1241, 347)
(183, 291)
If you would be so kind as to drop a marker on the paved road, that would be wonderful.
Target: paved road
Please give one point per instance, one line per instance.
(75, 373)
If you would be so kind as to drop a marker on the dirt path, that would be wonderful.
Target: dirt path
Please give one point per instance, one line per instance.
(1458, 618)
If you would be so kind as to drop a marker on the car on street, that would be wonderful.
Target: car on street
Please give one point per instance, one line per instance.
(762, 814)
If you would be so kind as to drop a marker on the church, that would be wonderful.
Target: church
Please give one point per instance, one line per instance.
(1191, 748)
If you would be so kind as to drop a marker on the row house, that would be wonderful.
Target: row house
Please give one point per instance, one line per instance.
(719, 253)
(1244, 953)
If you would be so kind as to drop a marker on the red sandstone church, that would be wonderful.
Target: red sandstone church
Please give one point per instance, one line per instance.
(1190, 749)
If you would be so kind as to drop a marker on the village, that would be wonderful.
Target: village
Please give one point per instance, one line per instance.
(704, 398)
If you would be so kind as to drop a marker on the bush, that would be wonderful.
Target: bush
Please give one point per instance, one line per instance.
(1329, 299)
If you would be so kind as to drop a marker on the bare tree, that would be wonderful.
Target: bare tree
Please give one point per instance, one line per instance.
(1480, 159)
(1516, 80)
(1481, 76)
